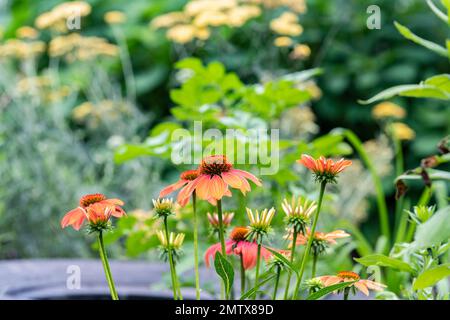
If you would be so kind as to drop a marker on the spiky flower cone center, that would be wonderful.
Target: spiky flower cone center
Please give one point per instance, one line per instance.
(239, 234)
(189, 175)
(90, 199)
(348, 275)
(215, 165)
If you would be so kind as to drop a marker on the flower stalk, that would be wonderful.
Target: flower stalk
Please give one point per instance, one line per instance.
(277, 281)
(104, 258)
(197, 274)
(173, 274)
(310, 239)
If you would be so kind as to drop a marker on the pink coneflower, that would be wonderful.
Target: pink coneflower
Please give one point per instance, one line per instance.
(77, 216)
(238, 245)
(215, 175)
(362, 285)
(324, 169)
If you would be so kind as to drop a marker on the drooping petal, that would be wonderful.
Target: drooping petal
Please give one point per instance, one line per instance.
(308, 162)
(247, 175)
(249, 251)
(186, 192)
(331, 280)
(211, 251)
(373, 285)
(361, 286)
(232, 180)
(74, 218)
(116, 202)
(171, 188)
(202, 188)
(217, 187)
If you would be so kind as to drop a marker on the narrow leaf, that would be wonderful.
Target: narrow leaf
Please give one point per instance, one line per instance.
(327, 290)
(252, 291)
(284, 260)
(408, 34)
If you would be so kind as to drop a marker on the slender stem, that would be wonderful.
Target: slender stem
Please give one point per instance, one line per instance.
(314, 265)
(277, 280)
(242, 275)
(381, 200)
(222, 240)
(258, 264)
(399, 169)
(105, 263)
(294, 244)
(310, 239)
(172, 265)
(197, 274)
(346, 293)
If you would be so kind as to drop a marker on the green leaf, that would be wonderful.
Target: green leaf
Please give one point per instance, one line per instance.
(437, 12)
(422, 90)
(327, 290)
(225, 270)
(431, 276)
(304, 75)
(435, 231)
(441, 81)
(425, 43)
(252, 291)
(384, 261)
(284, 260)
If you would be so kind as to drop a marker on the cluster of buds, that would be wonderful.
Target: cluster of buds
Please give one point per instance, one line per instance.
(174, 243)
(163, 207)
(298, 213)
(421, 214)
(214, 220)
(259, 223)
(314, 285)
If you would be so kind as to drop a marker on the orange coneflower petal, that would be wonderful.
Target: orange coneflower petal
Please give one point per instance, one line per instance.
(217, 187)
(246, 175)
(171, 188)
(202, 188)
(74, 218)
(186, 192)
(331, 280)
(211, 251)
(116, 202)
(232, 180)
(307, 161)
(249, 252)
(361, 286)
(373, 285)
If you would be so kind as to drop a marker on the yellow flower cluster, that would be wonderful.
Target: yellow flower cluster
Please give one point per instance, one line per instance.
(198, 16)
(56, 19)
(388, 109)
(286, 24)
(402, 131)
(21, 49)
(115, 17)
(92, 114)
(26, 32)
(76, 47)
(42, 86)
(298, 6)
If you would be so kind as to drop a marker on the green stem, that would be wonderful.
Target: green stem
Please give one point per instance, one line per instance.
(197, 274)
(258, 264)
(346, 293)
(310, 240)
(172, 265)
(381, 200)
(288, 283)
(277, 280)
(399, 204)
(104, 258)
(242, 275)
(222, 240)
(314, 265)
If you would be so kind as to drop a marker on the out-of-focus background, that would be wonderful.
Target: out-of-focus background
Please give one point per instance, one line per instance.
(77, 105)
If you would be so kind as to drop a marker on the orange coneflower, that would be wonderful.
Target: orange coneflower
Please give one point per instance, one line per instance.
(185, 178)
(239, 245)
(76, 217)
(323, 168)
(362, 285)
(215, 175)
(320, 240)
